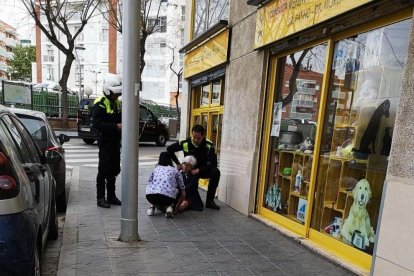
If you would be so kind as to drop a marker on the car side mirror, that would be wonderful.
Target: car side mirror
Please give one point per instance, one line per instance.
(53, 157)
(63, 138)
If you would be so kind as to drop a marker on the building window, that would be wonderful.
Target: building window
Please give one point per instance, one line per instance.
(159, 24)
(208, 13)
(105, 33)
(183, 13)
(80, 37)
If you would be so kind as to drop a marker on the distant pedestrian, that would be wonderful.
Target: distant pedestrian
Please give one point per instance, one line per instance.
(203, 150)
(163, 186)
(193, 200)
(106, 119)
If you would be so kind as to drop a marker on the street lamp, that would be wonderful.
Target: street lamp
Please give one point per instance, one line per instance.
(80, 71)
(96, 79)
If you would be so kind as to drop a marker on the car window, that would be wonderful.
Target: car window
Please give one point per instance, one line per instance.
(21, 147)
(33, 149)
(37, 129)
(144, 114)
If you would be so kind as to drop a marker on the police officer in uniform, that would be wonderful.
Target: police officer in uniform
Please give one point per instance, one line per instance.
(106, 119)
(204, 152)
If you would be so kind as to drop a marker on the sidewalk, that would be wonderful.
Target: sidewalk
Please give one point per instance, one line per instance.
(211, 242)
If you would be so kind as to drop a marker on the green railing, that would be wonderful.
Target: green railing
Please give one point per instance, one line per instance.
(161, 110)
(46, 101)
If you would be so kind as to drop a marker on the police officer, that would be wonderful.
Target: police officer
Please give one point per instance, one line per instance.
(203, 150)
(106, 119)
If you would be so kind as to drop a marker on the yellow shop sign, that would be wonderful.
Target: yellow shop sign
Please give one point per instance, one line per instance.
(281, 18)
(206, 56)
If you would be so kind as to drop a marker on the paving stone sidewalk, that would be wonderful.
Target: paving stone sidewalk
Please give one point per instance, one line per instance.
(211, 242)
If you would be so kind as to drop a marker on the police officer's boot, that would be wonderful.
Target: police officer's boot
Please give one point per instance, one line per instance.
(102, 203)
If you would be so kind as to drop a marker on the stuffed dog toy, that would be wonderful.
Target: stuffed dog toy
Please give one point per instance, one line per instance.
(358, 218)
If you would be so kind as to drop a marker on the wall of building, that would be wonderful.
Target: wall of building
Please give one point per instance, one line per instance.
(395, 244)
(242, 103)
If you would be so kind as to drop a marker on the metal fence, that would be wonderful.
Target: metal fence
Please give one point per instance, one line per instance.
(22, 95)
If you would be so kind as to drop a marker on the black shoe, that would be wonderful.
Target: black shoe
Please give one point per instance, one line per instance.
(114, 201)
(212, 205)
(103, 203)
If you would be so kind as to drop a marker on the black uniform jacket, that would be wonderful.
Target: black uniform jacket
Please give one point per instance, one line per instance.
(204, 153)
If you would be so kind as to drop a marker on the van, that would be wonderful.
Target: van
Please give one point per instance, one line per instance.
(151, 129)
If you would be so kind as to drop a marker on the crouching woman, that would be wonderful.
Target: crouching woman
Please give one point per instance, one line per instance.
(163, 186)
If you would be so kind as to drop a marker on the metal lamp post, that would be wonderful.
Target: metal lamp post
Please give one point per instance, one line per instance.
(79, 67)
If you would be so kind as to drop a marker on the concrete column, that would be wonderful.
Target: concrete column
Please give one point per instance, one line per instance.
(394, 253)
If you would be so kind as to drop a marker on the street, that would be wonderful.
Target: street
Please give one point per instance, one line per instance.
(77, 153)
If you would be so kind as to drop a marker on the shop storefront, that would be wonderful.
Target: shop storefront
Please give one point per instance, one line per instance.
(330, 111)
(204, 69)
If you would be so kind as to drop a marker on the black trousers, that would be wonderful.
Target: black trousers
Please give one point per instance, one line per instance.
(214, 176)
(160, 200)
(109, 167)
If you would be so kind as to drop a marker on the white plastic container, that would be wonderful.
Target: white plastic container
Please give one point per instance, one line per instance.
(298, 181)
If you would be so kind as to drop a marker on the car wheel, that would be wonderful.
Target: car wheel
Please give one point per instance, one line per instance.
(53, 222)
(36, 263)
(161, 140)
(61, 202)
(88, 141)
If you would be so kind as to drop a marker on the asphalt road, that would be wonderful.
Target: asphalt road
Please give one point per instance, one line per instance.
(80, 154)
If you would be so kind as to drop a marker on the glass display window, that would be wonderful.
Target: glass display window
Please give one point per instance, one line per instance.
(362, 99)
(296, 103)
(205, 95)
(216, 93)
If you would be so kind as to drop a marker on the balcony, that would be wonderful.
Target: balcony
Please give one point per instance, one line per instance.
(2, 36)
(306, 90)
(3, 52)
(10, 42)
(3, 67)
(9, 55)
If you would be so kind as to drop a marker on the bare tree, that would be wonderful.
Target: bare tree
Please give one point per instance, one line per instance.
(52, 17)
(150, 20)
(178, 74)
(297, 66)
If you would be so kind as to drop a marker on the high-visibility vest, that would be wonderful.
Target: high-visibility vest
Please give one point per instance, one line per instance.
(104, 102)
(186, 146)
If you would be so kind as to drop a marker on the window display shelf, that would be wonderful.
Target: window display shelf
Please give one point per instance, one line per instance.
(297, 194)
(348, 159)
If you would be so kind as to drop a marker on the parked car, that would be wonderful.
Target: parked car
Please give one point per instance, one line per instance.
(151, 129)
(40, 129)
(27, 201)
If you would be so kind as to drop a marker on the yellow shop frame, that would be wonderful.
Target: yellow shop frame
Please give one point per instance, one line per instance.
(324, 242)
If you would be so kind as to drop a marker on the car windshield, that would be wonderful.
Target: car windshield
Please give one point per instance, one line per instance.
(86, 102)
(37, 128)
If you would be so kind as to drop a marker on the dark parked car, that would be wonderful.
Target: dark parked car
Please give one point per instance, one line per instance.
(151, 129)
(40, 129)
(27, 201)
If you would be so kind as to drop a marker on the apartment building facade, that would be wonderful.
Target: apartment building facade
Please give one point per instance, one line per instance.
(8, 40)
(102, 53)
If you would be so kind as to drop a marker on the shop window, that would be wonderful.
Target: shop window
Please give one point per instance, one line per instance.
(293, 131)
(216, 92)
(365, 85)
(197, 97)
(205, 95)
